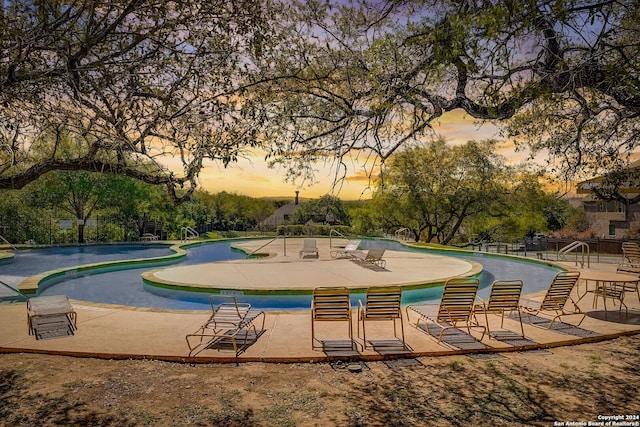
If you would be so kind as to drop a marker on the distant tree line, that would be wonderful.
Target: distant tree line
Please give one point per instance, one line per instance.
(135, 207)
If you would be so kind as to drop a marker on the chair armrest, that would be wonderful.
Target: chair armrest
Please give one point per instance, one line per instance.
(479, 303)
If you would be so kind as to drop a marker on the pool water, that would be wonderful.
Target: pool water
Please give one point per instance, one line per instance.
(30, 262)
(125, 287)
(535, 276)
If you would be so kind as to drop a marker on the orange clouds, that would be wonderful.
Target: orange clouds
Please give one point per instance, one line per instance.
(252, 177)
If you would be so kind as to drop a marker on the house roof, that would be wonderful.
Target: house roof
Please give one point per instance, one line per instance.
(630, 187)
(279, 216)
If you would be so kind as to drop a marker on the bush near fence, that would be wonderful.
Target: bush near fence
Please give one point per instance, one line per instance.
(52, 230)
(312, 230)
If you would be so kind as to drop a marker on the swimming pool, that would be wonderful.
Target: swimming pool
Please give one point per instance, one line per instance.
(30, 262)
(125, 287)
(535, 276)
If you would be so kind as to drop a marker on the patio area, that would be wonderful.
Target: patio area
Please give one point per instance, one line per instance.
(118, 332)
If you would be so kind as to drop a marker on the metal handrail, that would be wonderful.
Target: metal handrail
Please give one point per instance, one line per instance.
(8, 243)
(402, 231)
(574, 247)
(284, 240)
(331, 233)
(266, 244)
(186, 232)
(11, 288)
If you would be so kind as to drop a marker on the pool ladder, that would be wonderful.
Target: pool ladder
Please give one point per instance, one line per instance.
(284, 241)
(7, 242)
(331, 233)
(575, 246)
(187, 233)
(403, 234)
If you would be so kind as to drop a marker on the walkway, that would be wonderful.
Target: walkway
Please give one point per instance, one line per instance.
(122, 332)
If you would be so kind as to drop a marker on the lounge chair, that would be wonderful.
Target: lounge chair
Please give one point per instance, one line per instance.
(555, 300)
(309, 249)
(370, 257)
(504, 298)
(230, 322)
(381, 304)
(350, 247)
(47, 314)
(631, 252)
(330, 305)
(455, 310)
(633, 270)
(148, 237)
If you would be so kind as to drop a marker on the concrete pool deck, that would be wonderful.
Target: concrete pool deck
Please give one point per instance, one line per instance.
(108, 331)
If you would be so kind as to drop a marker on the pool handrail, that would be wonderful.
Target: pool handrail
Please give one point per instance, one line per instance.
(8, 242)
(575, 246)
(331, 233)
(12, 289)
(402, 233)
(187, 233)
(253, 252)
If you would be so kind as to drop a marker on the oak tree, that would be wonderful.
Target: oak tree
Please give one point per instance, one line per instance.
(125, 86)
(364, 78)
(432, 189)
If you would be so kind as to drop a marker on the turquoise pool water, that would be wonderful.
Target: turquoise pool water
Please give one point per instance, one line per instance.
(125, 287)
(34, 261)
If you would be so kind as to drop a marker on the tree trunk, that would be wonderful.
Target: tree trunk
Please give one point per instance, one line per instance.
(80, 233)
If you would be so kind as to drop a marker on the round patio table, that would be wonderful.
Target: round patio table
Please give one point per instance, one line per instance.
(608, 285)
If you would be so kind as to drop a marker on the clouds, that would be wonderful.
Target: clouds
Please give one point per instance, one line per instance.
(252, 177)
(458, 127)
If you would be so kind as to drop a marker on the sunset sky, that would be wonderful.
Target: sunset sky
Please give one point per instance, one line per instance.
(252, 177)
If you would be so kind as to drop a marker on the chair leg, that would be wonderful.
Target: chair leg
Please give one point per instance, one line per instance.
(583, 317)
(557, 317)
(486, 319)
(353, 342)
(401, 330)
(442, 333)
(521, 326)
(484, 332)
(364, 333)
(626, 309)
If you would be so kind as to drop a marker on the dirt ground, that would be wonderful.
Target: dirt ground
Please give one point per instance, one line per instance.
(545, 388)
